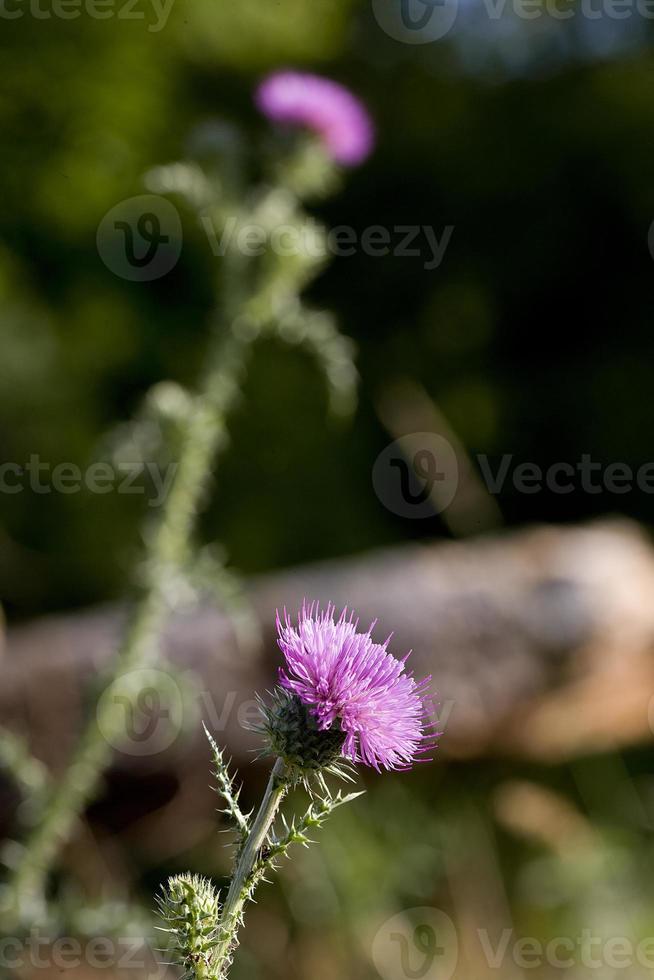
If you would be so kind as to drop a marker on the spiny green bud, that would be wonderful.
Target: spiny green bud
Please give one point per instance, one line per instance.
(190, 908)
(293, 733)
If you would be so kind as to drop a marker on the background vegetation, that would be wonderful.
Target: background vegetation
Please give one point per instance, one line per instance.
(533, 337)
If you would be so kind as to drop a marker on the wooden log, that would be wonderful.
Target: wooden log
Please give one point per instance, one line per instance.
(539, 643)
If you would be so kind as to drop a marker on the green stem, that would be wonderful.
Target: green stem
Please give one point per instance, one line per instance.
(242, 882)
(275, 293)
(169, 548)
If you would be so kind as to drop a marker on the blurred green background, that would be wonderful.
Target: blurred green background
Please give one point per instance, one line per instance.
(533, 337)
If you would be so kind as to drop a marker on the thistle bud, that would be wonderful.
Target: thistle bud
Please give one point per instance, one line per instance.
(190, 908)
(293, 733)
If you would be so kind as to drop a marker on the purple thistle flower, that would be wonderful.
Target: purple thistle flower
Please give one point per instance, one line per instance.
(322, 105)
(342, 675)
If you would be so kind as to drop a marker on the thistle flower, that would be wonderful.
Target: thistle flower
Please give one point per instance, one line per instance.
(323, 106)
(350, 682)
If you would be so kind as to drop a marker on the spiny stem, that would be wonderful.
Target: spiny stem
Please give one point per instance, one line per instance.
(296, 833)
(241, 886)
(168, 549)
(29, 774)
(251, 305)
(226, 789)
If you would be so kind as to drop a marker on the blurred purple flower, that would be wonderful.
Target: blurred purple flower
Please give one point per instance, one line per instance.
(344, 677)
(322, 105)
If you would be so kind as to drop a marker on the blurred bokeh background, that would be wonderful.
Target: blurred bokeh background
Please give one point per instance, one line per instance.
(530, 138)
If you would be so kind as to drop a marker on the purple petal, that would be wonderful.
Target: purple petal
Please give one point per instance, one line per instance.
(323, 106)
